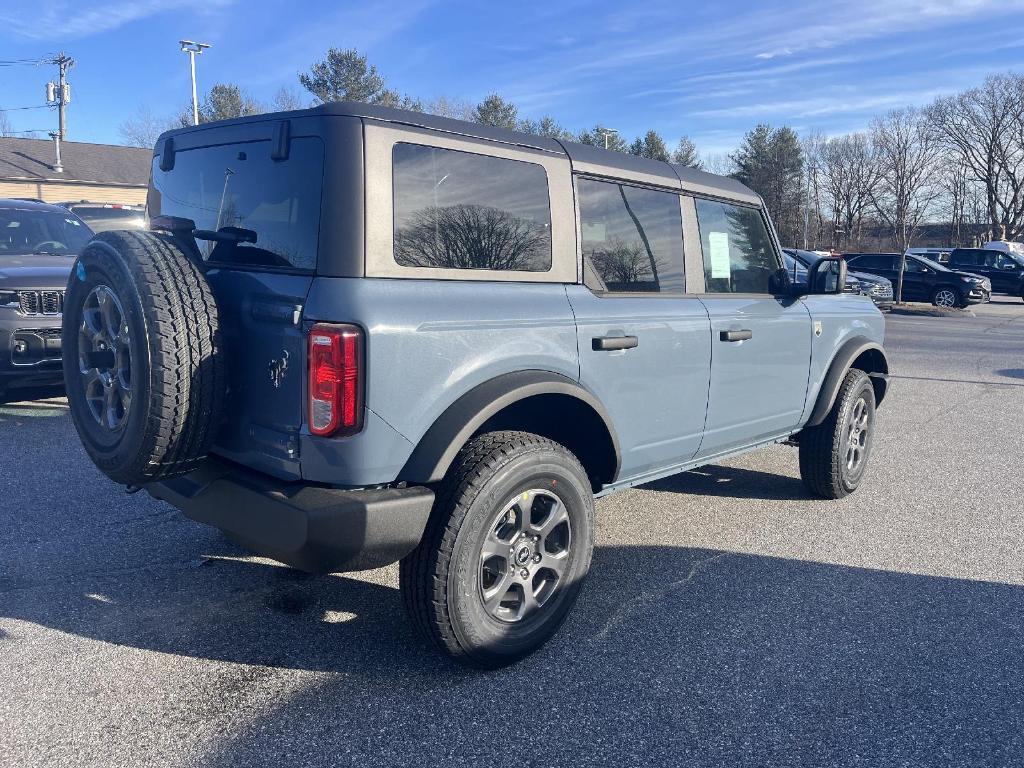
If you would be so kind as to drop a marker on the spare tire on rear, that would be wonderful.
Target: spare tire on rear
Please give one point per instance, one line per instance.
(143, 356)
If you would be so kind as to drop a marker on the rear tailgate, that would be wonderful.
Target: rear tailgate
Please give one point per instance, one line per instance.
(260, 316)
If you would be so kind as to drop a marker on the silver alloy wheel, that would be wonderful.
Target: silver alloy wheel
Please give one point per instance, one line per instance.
(946, 297)
(524, 557)
(104, 358)
(857, 436)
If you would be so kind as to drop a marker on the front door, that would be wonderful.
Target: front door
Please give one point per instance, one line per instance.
(760, 343)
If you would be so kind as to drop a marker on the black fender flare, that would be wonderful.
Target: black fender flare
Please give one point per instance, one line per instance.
(438, 447)
(841, 363)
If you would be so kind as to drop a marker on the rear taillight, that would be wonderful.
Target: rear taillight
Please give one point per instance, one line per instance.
(335, 380)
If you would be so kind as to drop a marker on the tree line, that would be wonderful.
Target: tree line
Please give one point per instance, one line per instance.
(959, 160)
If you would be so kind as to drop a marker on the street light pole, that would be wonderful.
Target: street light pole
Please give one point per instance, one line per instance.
(192, 48)
(606, 132)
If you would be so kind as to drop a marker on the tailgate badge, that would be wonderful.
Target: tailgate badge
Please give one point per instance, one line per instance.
(277, 368)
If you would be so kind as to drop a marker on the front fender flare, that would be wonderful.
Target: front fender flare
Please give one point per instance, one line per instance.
(841, 363)
(440, 444)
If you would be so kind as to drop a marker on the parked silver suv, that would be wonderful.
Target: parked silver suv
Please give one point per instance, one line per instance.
(359, 335)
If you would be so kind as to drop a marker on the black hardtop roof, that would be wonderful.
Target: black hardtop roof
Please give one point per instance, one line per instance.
(584, 158)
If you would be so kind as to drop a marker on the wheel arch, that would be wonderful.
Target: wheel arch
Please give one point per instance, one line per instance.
(858, 352)
(541, 402)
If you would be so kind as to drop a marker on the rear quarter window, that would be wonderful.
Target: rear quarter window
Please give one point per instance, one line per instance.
(461, 210)
(239, 185)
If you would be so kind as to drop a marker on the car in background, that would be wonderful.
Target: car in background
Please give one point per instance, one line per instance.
(878, 289)
(38, 246)
(1005, 269)
(935, 254)
(102, 217)
(1006, 246)
(924, 279)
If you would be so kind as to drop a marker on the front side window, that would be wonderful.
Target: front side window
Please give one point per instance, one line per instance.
(267, 211)
(632, 237)
(738, 253)
(459, 210)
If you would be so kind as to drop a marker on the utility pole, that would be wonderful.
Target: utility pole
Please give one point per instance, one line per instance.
(59, 93)
(192, 48)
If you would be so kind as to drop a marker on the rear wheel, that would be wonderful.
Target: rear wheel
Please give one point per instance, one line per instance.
(834, 454)
(142, 355)
(506, 550)
(947, 297)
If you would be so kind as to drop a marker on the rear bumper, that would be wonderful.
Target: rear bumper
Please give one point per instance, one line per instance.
(313, 528)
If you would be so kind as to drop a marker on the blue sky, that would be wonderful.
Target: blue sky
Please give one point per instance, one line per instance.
(709, 70)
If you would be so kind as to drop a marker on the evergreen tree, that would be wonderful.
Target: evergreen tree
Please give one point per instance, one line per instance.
(770, 162)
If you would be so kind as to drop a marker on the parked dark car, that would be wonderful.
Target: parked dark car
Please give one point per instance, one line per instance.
(103, 217)
(1004, 270)
(38, 243)
(879, 289)
(925, 280)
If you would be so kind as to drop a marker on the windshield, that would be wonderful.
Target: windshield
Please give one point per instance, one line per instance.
(28, 230)
(933, 264)
(102, 219)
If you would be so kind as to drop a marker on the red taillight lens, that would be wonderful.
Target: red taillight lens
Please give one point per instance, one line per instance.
(335, 380)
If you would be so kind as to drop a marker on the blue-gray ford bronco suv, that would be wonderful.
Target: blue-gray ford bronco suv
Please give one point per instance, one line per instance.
(354, 336)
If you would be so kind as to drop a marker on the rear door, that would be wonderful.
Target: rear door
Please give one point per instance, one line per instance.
(644, 345)
(761, 342)
(264, 212)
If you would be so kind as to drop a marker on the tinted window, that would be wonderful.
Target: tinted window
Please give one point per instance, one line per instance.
(872, 262)
(102, 219)
(239, 185)
(24, 231)
(458, 210)
(738, 253)
(632, 237)
(913, 265)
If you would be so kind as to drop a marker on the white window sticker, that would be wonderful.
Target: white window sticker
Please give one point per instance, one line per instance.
(719, 243)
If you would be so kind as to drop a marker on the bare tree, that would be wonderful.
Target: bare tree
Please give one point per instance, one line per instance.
(454, 108)
(471, 237)
(143, 129)
(720, 163)
(287, 99)
(985, 126)
(907, 187)
(6, 129)
(850, 172)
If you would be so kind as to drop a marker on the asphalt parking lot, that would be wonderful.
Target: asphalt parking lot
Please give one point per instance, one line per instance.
(728, 619)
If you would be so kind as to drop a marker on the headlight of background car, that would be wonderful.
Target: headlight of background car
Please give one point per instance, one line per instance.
(9, 299)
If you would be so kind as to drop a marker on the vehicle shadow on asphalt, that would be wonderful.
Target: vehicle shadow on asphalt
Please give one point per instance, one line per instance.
(733, 482)
(672, 654)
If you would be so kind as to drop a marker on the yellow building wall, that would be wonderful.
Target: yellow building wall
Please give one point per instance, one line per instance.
(59, 192)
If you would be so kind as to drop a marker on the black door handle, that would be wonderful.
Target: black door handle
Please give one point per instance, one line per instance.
(608, 343)
(736, 335)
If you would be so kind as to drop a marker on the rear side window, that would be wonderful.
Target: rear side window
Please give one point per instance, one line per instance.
(460, 210)
(632, 237)
(239, 185)
(738, 253)
(872, 262)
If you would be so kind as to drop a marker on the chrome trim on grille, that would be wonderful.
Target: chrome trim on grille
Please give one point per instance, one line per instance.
(40, 302)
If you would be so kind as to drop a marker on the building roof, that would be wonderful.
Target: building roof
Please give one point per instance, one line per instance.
(32, 160)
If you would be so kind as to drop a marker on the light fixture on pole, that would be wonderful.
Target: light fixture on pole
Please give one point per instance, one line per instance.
(192, 48)
(606, 132)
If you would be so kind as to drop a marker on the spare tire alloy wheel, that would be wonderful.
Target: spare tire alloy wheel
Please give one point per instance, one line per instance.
(144, 363)
(946, 297)
(105, 358)
(523, 557)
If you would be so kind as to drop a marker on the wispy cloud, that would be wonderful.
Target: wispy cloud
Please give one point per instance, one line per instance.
(64, 20)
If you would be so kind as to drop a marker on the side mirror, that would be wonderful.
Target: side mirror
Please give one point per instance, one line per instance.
(781, 283)
(827, 276)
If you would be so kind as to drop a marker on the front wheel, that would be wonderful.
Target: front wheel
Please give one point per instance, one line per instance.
(505, 552)
(949, 298)
(834, 454)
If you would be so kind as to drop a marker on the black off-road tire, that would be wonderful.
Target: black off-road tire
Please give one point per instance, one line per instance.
(177, 362)
(824, 448)
(440, 579)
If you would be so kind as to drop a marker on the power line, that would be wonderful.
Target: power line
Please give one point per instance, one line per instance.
(14, 109)
(25, 62)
